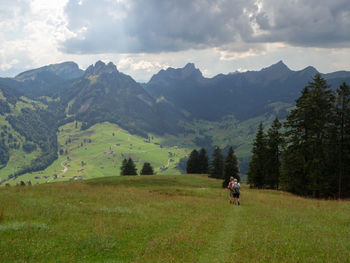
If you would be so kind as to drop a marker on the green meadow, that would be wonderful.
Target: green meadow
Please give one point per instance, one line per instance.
(167, 218)
(100, 150)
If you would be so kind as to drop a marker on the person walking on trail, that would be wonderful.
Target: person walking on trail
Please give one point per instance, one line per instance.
(230, 188)
(236, 191)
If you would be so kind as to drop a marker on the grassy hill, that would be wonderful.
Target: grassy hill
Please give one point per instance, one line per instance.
(184, 218)
(99, 151)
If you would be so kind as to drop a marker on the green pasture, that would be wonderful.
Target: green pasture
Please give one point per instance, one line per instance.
(99, 151)
(167, 218)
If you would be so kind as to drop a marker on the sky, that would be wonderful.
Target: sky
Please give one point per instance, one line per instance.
(144, 36)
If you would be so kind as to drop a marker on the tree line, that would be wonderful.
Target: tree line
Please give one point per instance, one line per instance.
(128, 167)
(309, 154)
(219, 167)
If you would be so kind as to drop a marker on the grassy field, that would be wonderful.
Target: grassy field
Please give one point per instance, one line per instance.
(99, 151)
(184, 218)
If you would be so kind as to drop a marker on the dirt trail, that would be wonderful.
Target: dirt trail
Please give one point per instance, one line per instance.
(65, 168)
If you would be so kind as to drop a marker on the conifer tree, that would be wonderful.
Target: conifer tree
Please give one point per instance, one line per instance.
(342, 123)
(128, 167)
(217, 164)
(305, 160)
(230, 167)
(274, 149)
(124, 167)
(257, 165)
(147, 169)
(131, 167)
(203, 162)
(192, 166)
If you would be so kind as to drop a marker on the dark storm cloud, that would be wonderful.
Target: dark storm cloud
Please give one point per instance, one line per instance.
(168, 25)
(305, 22)
(154, 26)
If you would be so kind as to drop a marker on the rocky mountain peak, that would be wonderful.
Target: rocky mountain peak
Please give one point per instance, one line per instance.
(190, 69)
(101, 68)
(309, 70)
(277, 67)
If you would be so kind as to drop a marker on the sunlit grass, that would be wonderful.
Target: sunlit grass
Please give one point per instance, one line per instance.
(175, 218)
(99, 151)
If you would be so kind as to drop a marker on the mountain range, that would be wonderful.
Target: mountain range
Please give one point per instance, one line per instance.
(170, 103)
(245, 95)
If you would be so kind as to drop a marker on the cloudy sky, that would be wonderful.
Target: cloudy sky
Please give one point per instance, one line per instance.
(143, 36)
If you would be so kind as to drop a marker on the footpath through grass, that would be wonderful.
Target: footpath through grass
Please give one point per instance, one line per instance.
(184, 218)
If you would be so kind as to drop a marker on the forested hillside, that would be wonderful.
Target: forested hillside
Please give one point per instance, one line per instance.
(105, 94)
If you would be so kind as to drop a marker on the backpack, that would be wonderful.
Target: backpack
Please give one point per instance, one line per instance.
(236, 188)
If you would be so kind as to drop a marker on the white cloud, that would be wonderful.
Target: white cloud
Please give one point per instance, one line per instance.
(142, 37)
(30, 35)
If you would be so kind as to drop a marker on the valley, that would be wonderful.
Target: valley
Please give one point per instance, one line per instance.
(174, 131)
(99, 151)
(65, 117)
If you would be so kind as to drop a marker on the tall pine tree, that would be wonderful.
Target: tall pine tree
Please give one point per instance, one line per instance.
(305, 159)
(192, 166)
(131, 167)
(230, 167)
(257, 165)
(147, 169)
(217, 164)
(128, 167)
(203, 162)
(274, 149)
(342, 124)
(124, 167)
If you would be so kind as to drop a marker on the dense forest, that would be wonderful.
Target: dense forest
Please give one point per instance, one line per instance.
(38, 127)
(311, 156)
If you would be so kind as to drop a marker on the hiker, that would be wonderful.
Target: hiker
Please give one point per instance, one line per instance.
(230, 188)
(236, 191)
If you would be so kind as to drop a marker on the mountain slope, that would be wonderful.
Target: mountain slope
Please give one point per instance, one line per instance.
(43, 81)
(105, 94)
(65, 70)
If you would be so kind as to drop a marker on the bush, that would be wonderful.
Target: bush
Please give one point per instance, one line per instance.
(28, 147)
